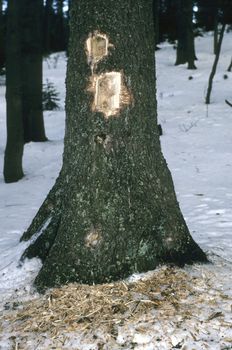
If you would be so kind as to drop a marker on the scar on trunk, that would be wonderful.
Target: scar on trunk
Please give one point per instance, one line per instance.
(93, 238)
(110, 93)
(97, 47)
(109, 90)
(104, 140)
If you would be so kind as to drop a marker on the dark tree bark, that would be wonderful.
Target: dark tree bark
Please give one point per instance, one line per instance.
(60, 43)
(156, 20)
(185, 46)
(215, 37)
(230, 66)
(2, 45)
(229, 103)
(1, 37)
(48, 16)
(31, 22)
(214, 67)
(113, 210)
(14, 148)
(23, 83)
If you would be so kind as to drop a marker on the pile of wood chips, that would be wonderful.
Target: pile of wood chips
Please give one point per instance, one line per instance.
(163, 302)
(79, 307)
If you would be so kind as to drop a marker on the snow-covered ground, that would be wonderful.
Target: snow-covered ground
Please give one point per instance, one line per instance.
(197, 144)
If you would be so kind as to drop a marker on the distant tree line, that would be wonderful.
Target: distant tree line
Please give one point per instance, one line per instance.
(170, 16)
(54, 28)
(205, 14)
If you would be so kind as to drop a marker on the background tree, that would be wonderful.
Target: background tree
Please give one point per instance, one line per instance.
(113, 210)
(15, 137)
(185, 46)
(156, 20)
(55, 26)
(167, 20)
(48, 25)
(226, 7)
(216, 17)
(214, 67)
(23, 83)
(60, 43)
(2, 36)
(31, 46)
(230, 66)
(205, 16)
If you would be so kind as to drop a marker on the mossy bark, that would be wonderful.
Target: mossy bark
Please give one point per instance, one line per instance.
(117, 211)
(185, 47)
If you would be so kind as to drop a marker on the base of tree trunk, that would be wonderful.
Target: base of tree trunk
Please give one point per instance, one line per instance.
(13, 177)
(13, 170)
(191, 66)
(37, 139)
(90, 260)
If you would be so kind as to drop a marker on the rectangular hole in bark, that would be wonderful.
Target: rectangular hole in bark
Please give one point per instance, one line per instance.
(97, 46)
(107, 93)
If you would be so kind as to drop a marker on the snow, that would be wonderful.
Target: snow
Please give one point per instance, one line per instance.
(197, 145)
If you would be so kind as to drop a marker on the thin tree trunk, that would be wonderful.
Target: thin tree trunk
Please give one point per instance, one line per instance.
(14, 148)
(215, 41)
(215, 15)
(214, 68)
(117, 211)
(230, 66)
(229, 103)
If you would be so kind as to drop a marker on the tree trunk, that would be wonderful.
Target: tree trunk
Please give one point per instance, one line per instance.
(23, 83)
(215, 36)
(156, 21)
(185, 46)
(113, 210)
(48, 14)
(60, 43)
(230, 66)
(2, 44)
(214, 68)
(14, 148)
(32, 70)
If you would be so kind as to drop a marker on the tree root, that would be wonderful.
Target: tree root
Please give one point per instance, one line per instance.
(46, 211)
(42, 244)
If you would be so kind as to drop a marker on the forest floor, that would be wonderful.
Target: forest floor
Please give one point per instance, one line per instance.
(169, 308)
